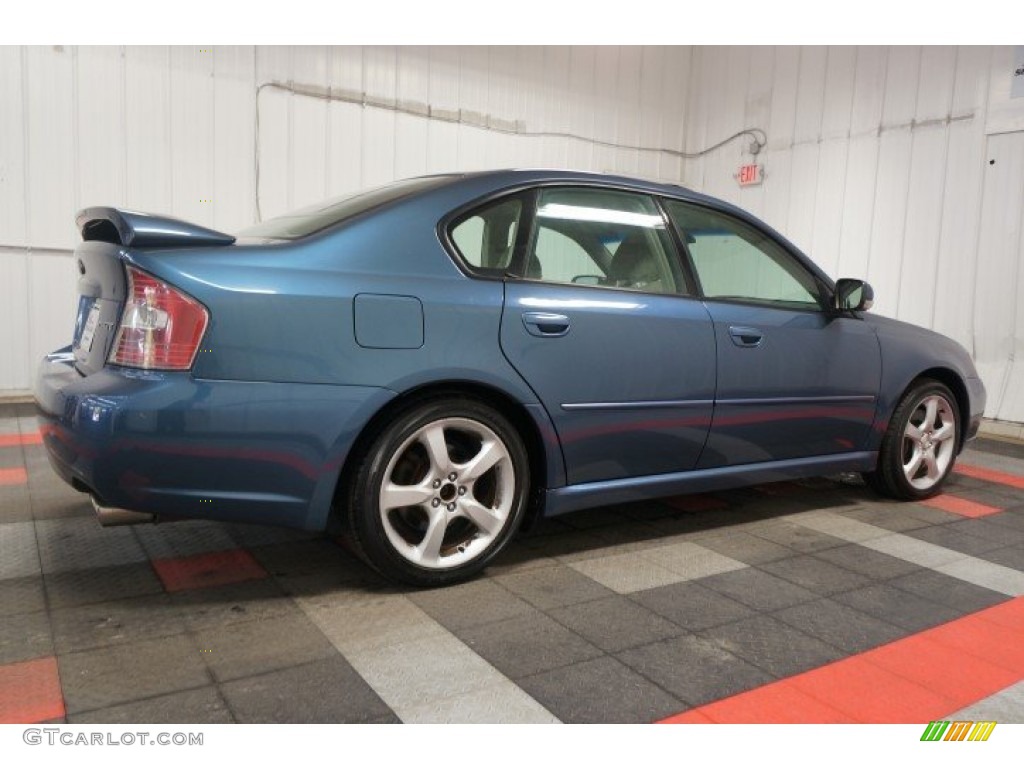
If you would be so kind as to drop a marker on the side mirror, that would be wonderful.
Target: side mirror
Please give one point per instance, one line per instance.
(852, 294)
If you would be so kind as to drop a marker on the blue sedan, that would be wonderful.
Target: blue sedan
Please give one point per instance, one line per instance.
(428, 366)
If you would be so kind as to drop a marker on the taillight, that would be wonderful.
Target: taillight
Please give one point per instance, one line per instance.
(161, 327)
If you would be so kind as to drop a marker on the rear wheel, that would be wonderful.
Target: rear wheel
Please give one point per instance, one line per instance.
(439, 493)
(920, 446)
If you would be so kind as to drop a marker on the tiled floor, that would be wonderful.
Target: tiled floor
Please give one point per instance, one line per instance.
(795, 602)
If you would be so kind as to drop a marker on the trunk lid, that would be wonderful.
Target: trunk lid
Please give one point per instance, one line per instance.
(110, 235)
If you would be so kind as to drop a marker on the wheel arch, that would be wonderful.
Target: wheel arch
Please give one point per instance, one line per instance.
(956, 385)
(543, 466)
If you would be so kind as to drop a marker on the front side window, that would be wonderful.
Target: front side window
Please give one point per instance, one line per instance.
(601, 237)
(733, 260)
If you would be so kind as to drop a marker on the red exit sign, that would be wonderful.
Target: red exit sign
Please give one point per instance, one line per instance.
(749, 175)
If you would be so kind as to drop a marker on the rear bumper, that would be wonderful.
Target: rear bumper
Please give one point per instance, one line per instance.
(174, 446)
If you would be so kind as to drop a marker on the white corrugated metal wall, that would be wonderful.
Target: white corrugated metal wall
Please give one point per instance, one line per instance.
(877, 161)
(172, 130)
(888, 164)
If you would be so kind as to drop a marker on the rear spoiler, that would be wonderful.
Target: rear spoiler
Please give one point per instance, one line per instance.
(144, 230)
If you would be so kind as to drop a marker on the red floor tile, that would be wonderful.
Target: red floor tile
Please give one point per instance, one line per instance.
(30, 691)
(13, 476)
(697, 503)
(959, 506)
(920, 678)
(29, 438)
(692, 716)
(779, 702)
(991, 475)
(212, 569)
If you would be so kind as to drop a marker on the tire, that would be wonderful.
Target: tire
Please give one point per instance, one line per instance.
(439, 492)
(920, 445)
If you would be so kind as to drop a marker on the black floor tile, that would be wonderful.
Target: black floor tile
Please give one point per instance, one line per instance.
(98, 625)
(986, 528)
(875, 565)
(21, 595)
(527, 644)
(601, 690)
(25, 636)
(694, 669)
(897, 606)
(98, 585)
(257, 600)
(120, 674)
(961, 596)
(547, 588)
(324, 691)
(816, 574)
(773, 646)
(201, 705)
(615, 623)
(467, 605)
(958, 541)
(692, 606)
(798, 537)
(757, 589)
(746, 547)
(839, 625)
(251, 648)
(1011, 557)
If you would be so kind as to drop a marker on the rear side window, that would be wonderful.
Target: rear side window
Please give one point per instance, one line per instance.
(486, 237)
(602, 237)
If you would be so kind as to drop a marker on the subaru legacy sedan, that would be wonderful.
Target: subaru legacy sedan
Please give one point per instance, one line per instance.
(428, 366)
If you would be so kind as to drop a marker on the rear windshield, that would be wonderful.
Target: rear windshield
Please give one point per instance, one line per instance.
(313, 218)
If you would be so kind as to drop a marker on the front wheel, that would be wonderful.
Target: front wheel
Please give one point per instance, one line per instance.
(920, 446)
(439, 493)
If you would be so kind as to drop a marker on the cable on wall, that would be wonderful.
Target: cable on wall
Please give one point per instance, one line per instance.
(471, 119)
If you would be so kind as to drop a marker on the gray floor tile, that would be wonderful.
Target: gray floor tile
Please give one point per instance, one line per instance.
(890, 516)
(501, 703)
(984, 528)
(251, 648)
(898, 607)
(816, 574)
(695, 670)
(601, 690)
(691, 560)
(948, 591)
(101, 678)
(324, 691)
(692, 606)
(70, 545)
(615, 623)
(757, 589)
(1006, 706)
(839, 625)
(22, 595)
(876, 565)
(982, 573)
(627, 572)
(771, 645)
(18, 554)
(201, 705)
(15, 506)
(527, 644)
(100, 625)
(100, 585)
(547, 588)
(467, 605)
(25, 636)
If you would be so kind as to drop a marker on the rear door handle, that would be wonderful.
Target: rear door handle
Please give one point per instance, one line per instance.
(743, 336)
(545, 324)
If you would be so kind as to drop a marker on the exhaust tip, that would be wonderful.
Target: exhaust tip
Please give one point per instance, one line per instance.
(109, 516)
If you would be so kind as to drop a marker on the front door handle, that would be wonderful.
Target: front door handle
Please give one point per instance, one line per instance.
(744, 336)
(545, 324)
